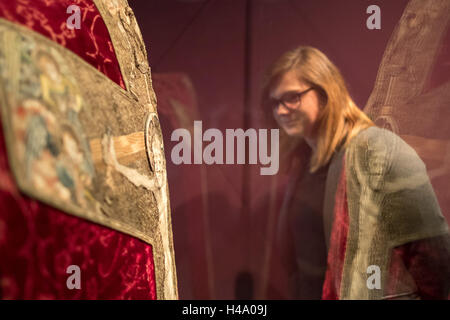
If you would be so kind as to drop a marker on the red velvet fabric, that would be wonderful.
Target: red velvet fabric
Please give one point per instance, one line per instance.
(37, 242)
(426, 263)
(48, 17)
(338, 242)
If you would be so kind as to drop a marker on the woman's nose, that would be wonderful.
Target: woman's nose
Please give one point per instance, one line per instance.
(281, 109)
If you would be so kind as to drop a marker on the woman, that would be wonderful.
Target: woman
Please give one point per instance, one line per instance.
(384, 231)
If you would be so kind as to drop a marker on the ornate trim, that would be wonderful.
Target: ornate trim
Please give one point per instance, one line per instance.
(390, 202)
(88, 161)
(132, 56)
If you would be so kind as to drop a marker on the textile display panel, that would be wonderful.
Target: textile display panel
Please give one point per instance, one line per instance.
(83, 188)
(218, 149)
(240, 234)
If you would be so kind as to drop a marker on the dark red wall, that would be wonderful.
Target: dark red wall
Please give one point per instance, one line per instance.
(206, 40)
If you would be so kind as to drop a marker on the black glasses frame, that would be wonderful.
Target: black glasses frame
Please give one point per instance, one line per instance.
(290, 105)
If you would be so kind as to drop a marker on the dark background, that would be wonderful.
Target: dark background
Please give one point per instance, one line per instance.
(223, 218)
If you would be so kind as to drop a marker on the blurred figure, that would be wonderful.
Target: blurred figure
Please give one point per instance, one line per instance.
(383, 229)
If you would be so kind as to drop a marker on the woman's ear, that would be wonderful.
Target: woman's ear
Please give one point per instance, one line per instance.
(323, 97)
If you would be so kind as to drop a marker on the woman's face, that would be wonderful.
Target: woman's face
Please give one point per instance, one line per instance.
(298, 115)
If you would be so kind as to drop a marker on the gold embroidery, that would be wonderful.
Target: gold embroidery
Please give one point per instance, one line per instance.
(382, 216)
(56, 125)
(130, 51)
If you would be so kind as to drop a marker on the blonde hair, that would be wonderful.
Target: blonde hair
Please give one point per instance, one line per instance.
(339, 119)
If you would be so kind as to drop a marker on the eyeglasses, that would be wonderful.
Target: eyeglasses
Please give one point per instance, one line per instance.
(290, 99)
